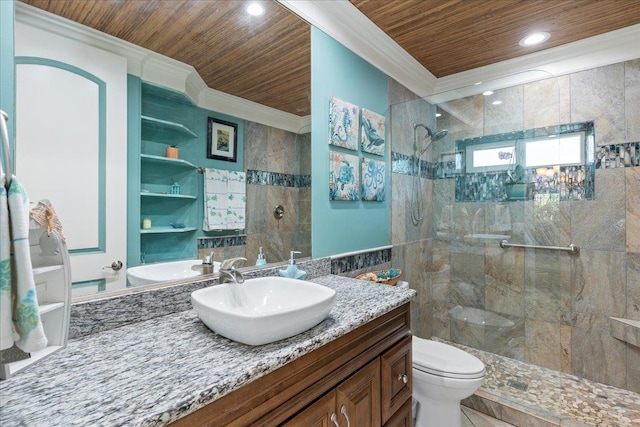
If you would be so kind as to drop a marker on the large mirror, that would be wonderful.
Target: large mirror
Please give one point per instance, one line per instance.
(263, 60)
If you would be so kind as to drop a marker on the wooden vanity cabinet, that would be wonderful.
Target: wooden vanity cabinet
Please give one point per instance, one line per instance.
(358, 371)
(355, 402)
(395, 370)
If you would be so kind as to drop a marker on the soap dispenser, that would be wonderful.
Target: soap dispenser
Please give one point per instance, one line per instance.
(292, 269)
(261, 259)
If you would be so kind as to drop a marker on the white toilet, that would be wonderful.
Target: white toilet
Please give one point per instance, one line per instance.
(442, 376)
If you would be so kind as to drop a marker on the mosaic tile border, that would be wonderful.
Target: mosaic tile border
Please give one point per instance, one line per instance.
(625, 155)
(210, 242)
(568, 183)
(256, 177)
(360, 261)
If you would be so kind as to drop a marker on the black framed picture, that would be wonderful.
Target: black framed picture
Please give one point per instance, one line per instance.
(222, 140)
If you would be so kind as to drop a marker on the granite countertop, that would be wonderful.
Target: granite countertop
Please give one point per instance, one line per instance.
(154, 372)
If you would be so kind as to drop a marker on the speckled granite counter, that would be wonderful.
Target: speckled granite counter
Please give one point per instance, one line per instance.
(154, 372)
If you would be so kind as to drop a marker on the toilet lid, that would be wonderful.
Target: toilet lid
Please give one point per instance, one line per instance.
(444, 360)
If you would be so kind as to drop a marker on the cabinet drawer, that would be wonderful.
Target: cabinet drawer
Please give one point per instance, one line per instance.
(403, 417)
(396, 378)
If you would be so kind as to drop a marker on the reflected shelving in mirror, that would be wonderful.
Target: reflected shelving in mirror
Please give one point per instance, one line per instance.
(165, 131)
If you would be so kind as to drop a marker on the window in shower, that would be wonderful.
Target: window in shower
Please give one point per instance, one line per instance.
(555, 160)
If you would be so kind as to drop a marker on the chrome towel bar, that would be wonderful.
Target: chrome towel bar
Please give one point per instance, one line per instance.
(6, 149)
(572, 249)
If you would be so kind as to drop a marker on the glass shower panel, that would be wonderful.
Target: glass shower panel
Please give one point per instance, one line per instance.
(514, 302)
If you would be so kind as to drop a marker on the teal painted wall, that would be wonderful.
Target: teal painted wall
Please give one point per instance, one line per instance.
(7, 67)
(339, 226)
(169, 105)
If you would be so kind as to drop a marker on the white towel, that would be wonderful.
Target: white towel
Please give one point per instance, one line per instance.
(224, 200)
(24, 302)
(236, 200)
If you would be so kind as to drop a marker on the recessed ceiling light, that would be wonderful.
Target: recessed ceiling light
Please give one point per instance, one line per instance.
(487, 92)
(498, 102)
(255, 9)
(438, 115)
(534, 39)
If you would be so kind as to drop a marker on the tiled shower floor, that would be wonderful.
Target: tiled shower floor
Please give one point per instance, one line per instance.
(517, 393)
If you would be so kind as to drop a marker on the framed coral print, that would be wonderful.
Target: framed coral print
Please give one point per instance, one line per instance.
(343, 123)
(343, 177)
(222, 140)
(373, 132)
(373, 180)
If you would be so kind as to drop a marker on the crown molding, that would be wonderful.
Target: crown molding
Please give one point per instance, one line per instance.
(346, 24)
(161, 70)
(597, 51)
(342, 21)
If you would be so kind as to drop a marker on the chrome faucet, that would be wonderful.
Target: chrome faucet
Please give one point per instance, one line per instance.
(207, 264)
(228, 272)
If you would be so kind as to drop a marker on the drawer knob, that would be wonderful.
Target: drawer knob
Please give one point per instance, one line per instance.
(404, 378)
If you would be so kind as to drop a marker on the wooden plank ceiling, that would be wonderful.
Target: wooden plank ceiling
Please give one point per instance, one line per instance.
(451, 36)
(264, 59)
(267, 59)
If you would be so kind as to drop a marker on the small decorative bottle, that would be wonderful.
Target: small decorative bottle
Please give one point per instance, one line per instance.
(175, 188)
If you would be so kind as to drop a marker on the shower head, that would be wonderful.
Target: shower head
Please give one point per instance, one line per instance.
(439, 135)
(430, 135)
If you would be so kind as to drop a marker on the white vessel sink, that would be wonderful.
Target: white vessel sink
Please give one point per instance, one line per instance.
(263, 310)
(164, 271)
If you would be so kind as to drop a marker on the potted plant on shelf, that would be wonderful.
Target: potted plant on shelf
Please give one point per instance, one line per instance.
(515, 186)
(171, 152)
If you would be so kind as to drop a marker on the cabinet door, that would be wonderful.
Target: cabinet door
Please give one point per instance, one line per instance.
(358, 398)
(403, 417)
(396, 368)
(319, 414)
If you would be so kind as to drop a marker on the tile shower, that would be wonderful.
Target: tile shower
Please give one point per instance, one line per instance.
(278, 167)
(544, 308)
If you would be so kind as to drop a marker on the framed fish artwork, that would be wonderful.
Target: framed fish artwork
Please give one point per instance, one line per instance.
(344, 182)
(343, 123)
(373, 180)
(372, 137)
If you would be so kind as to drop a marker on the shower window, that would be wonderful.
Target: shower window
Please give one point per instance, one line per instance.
(492, 156)
(556, 160)
(563, 150)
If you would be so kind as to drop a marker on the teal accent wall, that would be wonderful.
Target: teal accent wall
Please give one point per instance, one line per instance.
(339, 226)
(7, 68)
(170, 105)
(102, 142)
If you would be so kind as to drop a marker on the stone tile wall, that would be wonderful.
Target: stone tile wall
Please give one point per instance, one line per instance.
(545, 308)
(278, 166)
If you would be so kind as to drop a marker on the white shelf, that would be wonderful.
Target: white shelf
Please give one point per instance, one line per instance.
(158, 230)
(46, 308)
(46, 269)
(176, 196)
(55, 292)
(149, 158)
(13, 368)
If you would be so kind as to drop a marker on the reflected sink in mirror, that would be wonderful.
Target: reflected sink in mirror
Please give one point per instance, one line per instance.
(263, 310)
(161, 272)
